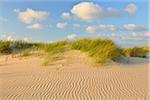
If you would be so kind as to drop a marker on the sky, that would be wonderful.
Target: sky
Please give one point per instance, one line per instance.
(125, 22)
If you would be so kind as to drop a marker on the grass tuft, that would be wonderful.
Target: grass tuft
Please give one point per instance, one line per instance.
(25, 53)
(54, 51)
(100, 50)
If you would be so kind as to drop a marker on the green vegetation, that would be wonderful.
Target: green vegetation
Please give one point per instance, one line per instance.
(57, 47)
(54, 51)
(100, 50)
(135, 52)
(5, 47)
(50, 58)
(8, 47)
(25, 53)
(146, 48)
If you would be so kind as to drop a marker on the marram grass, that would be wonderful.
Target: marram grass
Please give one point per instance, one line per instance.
(100, 50)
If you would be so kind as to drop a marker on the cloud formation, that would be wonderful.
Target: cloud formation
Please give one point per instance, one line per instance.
(66, 15)
(140, 34)
(88, 11)
(17, 10)
(93, 29)
(61, 25)
(130, 26)
(134, 27)
(31, 16)
(147, 34)
(131, 9)
(36, 26)
(136, 36)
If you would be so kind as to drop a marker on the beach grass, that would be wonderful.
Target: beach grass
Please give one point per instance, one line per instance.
(4, 47)
(53, 51)
(100, 50)
(25, 53)
(135, 52)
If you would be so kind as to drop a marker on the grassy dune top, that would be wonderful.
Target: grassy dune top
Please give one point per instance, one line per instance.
(100, 50)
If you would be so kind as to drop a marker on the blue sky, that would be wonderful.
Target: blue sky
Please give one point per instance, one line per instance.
(124, 22)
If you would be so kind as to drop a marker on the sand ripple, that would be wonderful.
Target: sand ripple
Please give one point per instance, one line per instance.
(73, 82)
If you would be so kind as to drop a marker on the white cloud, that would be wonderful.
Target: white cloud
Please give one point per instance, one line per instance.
(36, 26)
(113, 34)
(72, 36)
(31, 16)
(110, 28)
(147, 34)
(134, 27)
(131, 9)
(61, 25)
(134, 34)
(137, 36)
(130, 26)
(93, 29)
(133, 39)
(87, 11)
(10, 38)
(66, 15)
(140, 34)
(17, 10)
(27, 39)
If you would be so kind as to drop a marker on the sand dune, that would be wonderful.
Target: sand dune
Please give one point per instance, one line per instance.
(72, 78)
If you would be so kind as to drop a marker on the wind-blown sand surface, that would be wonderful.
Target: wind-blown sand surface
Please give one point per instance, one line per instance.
(72, 78)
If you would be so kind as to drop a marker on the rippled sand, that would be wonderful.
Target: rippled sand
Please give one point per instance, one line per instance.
(73, 78)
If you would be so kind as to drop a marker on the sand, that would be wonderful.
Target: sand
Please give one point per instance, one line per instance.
(74, 77)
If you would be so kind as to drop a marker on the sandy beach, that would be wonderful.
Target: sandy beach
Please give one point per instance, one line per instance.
(74, 77)
(74, 50)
